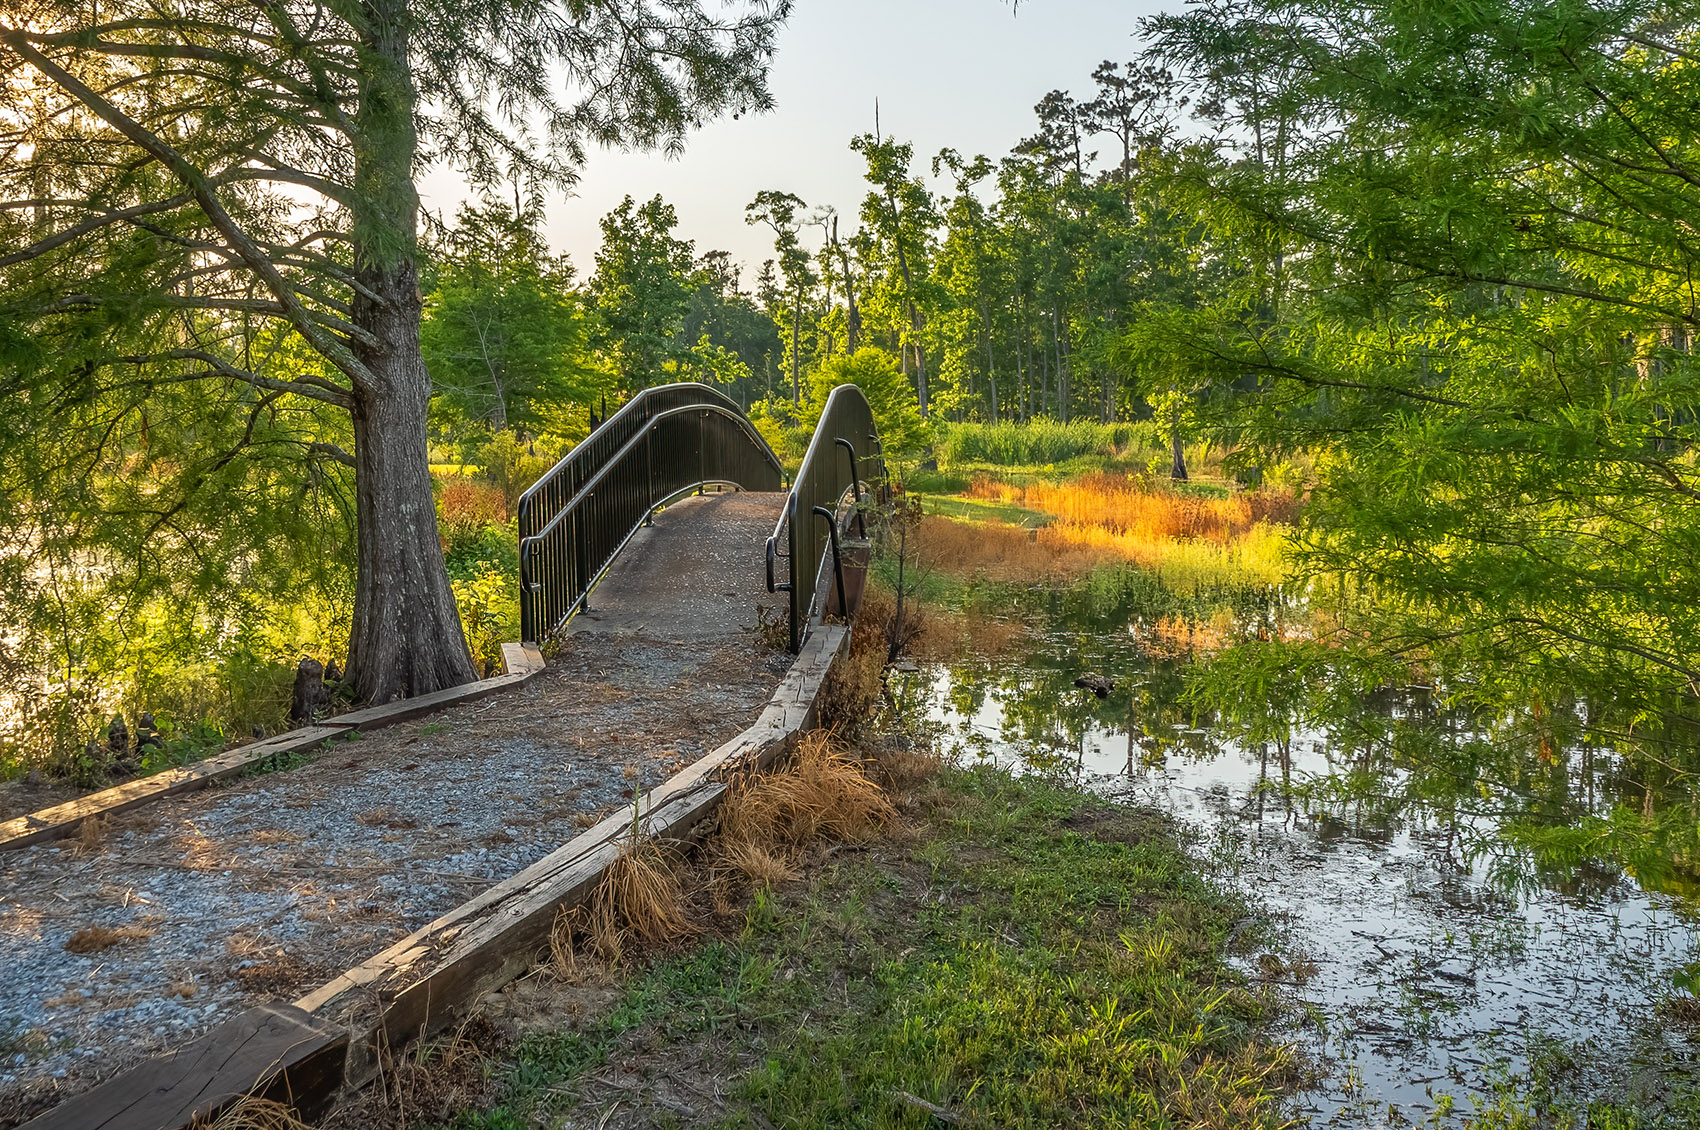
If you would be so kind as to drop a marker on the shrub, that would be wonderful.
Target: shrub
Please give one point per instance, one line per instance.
(902, 431)
(489, 614)
(513, 465)
(1041, 442)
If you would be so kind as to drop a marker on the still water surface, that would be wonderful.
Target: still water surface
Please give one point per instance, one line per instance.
(1446, 963)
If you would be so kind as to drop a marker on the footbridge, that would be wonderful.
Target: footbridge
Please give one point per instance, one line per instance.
(679, 440)
(358, 885)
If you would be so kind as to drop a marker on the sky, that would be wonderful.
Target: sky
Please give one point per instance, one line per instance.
(958, 73)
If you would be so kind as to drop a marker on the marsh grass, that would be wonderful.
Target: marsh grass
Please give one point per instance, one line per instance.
(1028, 957)
(1192, 541)
(1042, 441)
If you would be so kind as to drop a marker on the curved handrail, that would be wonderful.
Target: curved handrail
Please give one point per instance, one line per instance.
(573, 522)
(819, 488)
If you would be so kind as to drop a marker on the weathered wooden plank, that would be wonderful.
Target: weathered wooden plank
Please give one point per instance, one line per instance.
(422, 983)
(278, 1051)
(63, 819)
(521, 659)
(407, 709)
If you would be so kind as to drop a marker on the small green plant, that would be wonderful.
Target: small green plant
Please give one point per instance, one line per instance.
(183, 743)
(489, 613)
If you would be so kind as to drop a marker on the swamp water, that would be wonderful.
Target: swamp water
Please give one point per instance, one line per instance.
(1435, 969)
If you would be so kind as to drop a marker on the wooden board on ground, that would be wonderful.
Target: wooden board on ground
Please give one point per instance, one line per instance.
(274, 1051)
(63, 819)
(424, 982)
(521, 659)
(407, 709)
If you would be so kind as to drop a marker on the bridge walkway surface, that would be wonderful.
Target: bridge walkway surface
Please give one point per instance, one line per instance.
(146, 932)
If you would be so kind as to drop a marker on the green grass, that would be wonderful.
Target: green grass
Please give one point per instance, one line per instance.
(982, 510)
(1033, 959)
(1041, 441)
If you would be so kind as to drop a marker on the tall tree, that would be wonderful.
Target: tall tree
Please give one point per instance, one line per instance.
(900, 217)
(190, 186)
(1133, 106)
(506, 336)
(781, 212)
(642, 288)
(1491, 335)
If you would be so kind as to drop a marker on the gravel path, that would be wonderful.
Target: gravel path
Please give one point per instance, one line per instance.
(184, 912)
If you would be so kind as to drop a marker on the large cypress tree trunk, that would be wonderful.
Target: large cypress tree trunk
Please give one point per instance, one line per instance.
(406, 638)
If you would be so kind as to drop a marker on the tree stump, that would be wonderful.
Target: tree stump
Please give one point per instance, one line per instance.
(311, 698)
(147, 733)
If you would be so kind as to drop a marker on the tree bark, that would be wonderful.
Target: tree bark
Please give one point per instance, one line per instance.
(406, 638)
(852, 315)
(1177, 464)
(796, 348)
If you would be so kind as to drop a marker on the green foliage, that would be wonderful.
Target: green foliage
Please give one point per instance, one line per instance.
(191, 324)
(1039, 442)
(505, 335)
(1455, 274)
(489, 612)
(489, 549)
(782, 425)
(642, 289)
(513, 465)
(875, 372)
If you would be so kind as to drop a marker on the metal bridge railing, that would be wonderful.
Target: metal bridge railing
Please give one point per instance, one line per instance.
(574, 521)
(843, 459)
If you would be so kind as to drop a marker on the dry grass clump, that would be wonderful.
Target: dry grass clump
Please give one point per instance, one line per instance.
(758, 863)
(641, 900)
(95, 939)
(857, 681)
(821, 792)
(254, 1113)
(90, 835)
(432, 1083)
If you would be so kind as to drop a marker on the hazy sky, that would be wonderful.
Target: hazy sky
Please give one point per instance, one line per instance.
(957, 73)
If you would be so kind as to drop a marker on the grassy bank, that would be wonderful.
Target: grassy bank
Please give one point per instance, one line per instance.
(1011, 954)
(1057, 532)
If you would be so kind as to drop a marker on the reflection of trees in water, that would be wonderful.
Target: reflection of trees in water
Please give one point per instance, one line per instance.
(1554, 794)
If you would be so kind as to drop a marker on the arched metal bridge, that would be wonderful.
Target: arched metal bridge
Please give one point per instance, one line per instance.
(676, 440)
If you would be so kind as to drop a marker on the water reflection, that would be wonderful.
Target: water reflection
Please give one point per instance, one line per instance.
(1388, 833)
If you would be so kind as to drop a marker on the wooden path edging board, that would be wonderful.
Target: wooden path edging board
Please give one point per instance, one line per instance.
(61, 820)
(291, 1055)
(330, 1041)
(425, 982)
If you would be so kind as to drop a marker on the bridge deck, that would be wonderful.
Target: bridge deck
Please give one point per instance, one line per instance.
(267, 888)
